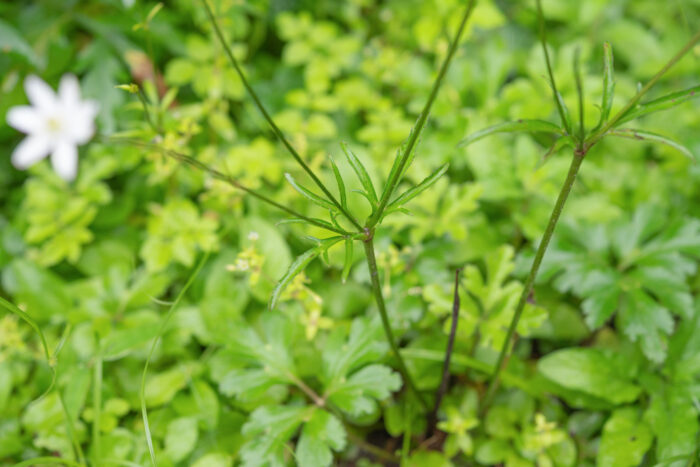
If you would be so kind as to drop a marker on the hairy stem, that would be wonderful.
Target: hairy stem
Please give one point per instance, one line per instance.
(270, 121)
(432, 420)
(379, 297)
(527, 288)
(191, 161)
(422, 119)
(598, 135)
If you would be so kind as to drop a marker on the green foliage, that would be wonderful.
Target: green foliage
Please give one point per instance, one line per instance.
(272, 358)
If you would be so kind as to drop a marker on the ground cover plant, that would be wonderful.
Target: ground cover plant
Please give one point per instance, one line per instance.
(322, 233)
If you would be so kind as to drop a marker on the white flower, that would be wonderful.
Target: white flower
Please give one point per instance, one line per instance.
(55, 124)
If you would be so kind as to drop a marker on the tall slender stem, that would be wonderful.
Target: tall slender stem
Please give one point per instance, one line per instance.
(432, 420)
(271, 122)
(527, 288)
(379, 297)
(422, 119)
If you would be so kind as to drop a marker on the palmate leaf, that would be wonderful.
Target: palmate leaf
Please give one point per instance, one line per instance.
(350, 386)
(362, 174)
(636, 270)
(662, 103)
(308, 194)
(427, 182)
(641, 135)
(321, 435)
(511, 127)
(299, 265)
(269, 428)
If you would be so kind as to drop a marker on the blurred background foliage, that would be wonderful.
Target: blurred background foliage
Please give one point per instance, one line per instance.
(606, 372)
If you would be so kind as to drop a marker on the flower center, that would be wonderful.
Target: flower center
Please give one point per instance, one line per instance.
(54, 124)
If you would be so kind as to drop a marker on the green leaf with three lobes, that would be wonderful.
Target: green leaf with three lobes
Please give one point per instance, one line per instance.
(306, 193)
(361, 173)
(298, 266)
(341, 184)
(511, 127)
(641, 135)
(420, 188)
(662, 103)
(608, 84)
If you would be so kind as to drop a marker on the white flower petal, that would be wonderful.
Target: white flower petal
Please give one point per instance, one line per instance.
(82, 123)
(40, 94)
(25, 119)
(69, 91)
(30, 151)
(64, 160)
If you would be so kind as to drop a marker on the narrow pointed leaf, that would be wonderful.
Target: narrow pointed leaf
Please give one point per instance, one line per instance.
(662, 103)
(392, 172)
(421, 187)
(566, 115)
(511, 127)
(641, 135)
(348, 259)
(298, 266)
(361, 174)
(297, 220)
(608, 83)
(306, 193)
(341, 184)
(367, 197)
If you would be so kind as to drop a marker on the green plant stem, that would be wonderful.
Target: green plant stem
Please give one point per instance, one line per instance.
(529, 282)
(579, 92)
(422, 119)
(271, 122)
(432, 419)
(543, 40)
(599, 134)
(97, 412)
(379, 297)
(191, 161)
